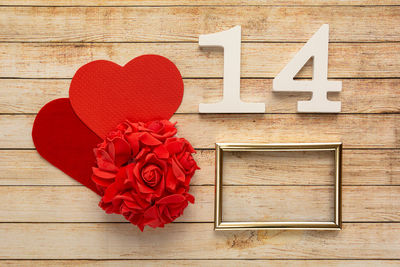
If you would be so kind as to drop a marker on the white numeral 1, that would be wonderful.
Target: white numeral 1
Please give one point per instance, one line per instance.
(230, 41)
(316, 47)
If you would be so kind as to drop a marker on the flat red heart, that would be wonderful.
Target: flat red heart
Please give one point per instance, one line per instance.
(62, 139)
(104, 94)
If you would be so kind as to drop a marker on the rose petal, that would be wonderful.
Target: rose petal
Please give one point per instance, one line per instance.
(149, 140)
(111, 151)
(143, 152)
(101, 182)
(161, 152)
(151, 217)
(155, 126)
(123, 151)
(144, 189)
(178, 172)
(190, 198)
(133, 140)
(171, 181)
(110, 192)
(132, 205)
(104, 161)
(171, 199)
(103, 174)
(173, 146)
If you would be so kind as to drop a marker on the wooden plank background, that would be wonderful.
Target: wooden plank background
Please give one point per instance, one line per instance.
(48, 219)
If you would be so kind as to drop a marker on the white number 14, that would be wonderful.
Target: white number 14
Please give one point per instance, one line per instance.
(316, 47)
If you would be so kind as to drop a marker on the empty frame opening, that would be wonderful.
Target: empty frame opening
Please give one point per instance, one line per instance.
(278, 186)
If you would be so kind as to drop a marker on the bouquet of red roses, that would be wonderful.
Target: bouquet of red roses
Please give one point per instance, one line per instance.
(144, 172)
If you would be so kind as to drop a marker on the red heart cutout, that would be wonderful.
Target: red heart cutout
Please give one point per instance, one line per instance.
(62, 139)
(103, 94)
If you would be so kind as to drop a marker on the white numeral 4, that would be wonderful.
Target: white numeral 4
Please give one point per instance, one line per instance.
(316, 47)
(230, 41)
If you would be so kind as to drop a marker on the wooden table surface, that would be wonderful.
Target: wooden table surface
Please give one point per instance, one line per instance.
(46, 218)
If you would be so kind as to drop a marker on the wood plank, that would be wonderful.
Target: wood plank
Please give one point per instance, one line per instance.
(194, 241)
(37, 171)
(262, 60)
(377, 96)
(289, 168)
(353, 130)
(201, 263)
(131, 24)
(241, 203)
(360, 167)
(193, 3)
(203, 131)
(65, 204)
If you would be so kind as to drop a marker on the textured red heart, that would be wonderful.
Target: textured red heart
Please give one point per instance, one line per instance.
(103, 94)
(63, 140)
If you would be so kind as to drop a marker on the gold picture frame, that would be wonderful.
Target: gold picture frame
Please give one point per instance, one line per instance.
(336, 224)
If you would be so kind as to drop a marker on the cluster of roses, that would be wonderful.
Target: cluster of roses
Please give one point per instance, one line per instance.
(143, 172)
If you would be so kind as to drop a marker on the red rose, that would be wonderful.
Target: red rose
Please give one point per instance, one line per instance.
(167, 209)
(148, 176)
(144, 173)
(182, 162)
(159, 129)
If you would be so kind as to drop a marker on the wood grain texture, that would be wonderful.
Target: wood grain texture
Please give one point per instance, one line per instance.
(203, 131)
(156, 3)
(193, 241)
(131, 24)
(243, 203)
(360, 167)
(357, 96)
(48, 219)
(259, 60)
(201, 263)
